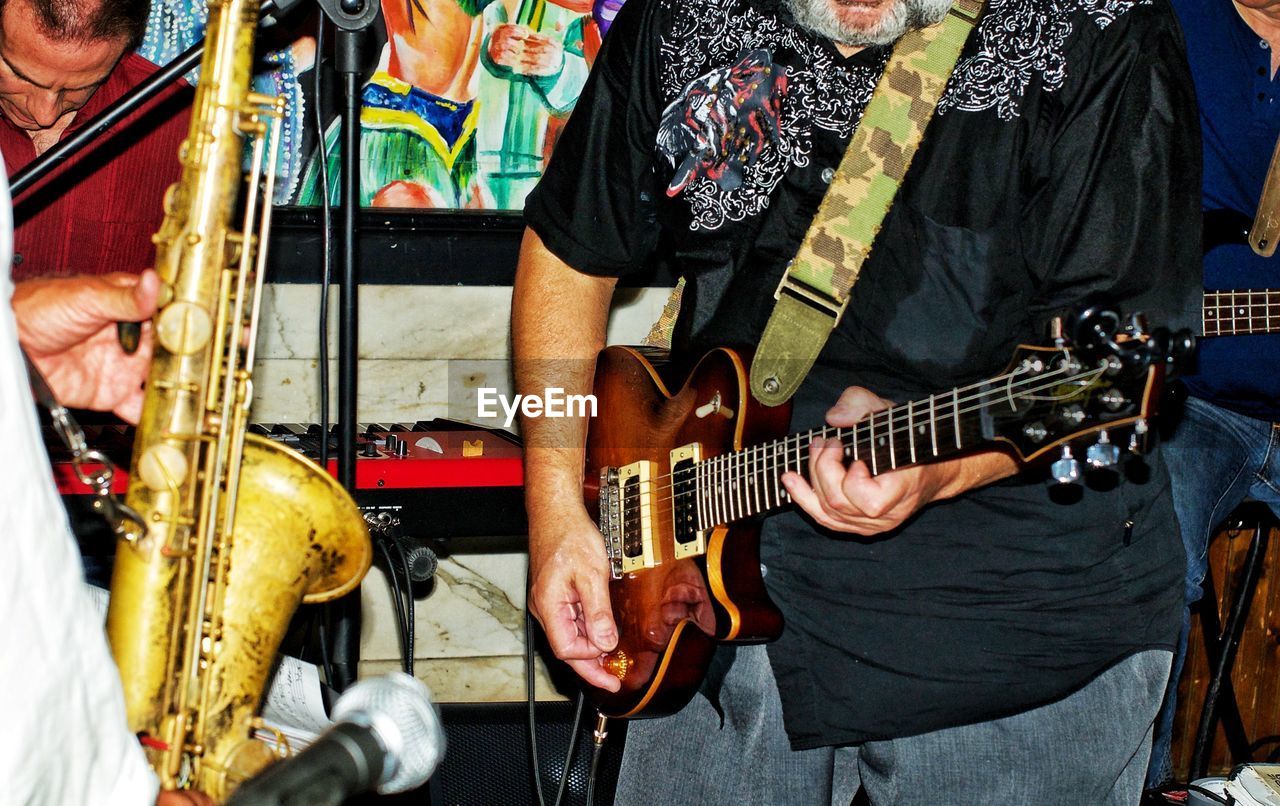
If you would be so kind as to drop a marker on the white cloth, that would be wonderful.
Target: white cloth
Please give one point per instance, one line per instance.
(63, 737)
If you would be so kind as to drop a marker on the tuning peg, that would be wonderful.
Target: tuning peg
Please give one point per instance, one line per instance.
(1103, 453)
(1137, 324)
(1058, 332)
(1066, 470)
(1138, 439)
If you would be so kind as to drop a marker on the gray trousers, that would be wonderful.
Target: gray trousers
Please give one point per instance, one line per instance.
(1089, 748)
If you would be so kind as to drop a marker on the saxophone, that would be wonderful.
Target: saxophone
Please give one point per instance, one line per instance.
(228, 532)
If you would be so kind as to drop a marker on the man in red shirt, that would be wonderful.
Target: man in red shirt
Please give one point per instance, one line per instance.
(61, 63)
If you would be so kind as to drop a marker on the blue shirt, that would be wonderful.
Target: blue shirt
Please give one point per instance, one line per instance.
(1240, 121)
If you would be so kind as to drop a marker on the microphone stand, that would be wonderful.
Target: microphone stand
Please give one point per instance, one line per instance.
(352, 18)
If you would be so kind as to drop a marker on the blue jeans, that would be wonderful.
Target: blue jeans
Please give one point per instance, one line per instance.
(1088, 748)
(1216, 459)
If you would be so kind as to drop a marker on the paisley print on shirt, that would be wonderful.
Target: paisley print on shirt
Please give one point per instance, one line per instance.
(714, 49)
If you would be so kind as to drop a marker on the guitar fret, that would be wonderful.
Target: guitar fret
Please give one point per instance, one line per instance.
(872, 423)
(728, 488)
(767, 477)
(779, 467)
(699, 476)
(718, 505)
(726, 499)
(911, 431)
(955, 414)
(757, 479)
(709, 475)
(893, 459)
(786, 465)
(732, 486)
(933, 426)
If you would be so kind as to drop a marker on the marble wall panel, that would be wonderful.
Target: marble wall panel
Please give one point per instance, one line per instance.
(425, 351)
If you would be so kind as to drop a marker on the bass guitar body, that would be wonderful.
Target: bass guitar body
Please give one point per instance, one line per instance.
(677, 590)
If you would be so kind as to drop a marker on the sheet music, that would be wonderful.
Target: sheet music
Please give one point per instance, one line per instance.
(1255, 785)
(294, 705)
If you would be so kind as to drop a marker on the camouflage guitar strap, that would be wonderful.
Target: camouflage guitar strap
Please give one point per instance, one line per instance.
(814, 291)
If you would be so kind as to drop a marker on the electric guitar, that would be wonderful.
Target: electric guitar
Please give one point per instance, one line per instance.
(676, 476)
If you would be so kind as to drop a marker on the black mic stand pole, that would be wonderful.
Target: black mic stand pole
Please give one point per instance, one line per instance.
(352, 18)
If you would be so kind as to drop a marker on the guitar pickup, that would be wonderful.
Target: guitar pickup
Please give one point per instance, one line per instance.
(636, 509)
(689, 540)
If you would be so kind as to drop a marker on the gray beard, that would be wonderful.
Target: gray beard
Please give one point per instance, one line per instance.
(819, 17)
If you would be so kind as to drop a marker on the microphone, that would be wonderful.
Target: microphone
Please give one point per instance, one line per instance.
(387, 737)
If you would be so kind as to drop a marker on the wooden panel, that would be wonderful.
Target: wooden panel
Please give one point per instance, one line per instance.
(1256, 674)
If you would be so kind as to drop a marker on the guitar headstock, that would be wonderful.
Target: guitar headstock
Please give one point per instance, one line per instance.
(1098, 381)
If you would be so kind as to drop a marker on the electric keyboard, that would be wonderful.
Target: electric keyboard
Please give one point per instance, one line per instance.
(441, 478)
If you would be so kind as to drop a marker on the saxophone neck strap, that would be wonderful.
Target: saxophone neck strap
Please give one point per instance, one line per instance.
(814, 291)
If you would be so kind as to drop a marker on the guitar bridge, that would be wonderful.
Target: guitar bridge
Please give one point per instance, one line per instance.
(627, 503)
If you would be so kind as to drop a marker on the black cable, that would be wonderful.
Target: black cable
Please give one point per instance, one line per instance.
(408, 606)
(569, 751)
(1213, 796)
(395, 595)
(323, 632)
(1178, 787)
(530, 696)
(597, 751)
(326, 234)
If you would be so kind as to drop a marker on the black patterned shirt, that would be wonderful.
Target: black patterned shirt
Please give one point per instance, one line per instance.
(1063, 165)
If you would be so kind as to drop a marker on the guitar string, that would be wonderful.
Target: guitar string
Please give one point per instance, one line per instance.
(950, 397)
(748, 499)
(852, 432)
(943, 408)
(744, 456)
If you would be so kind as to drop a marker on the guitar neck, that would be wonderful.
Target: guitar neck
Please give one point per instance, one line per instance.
(748, 482)
(1242, 313)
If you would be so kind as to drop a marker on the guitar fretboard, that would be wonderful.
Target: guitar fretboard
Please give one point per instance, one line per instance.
(748, 482)
(1241, 313)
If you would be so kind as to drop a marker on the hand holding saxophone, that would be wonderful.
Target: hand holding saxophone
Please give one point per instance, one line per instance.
(67, 326)
(183, 797)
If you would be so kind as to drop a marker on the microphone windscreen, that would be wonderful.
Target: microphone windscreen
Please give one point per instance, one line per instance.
(399, 711)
